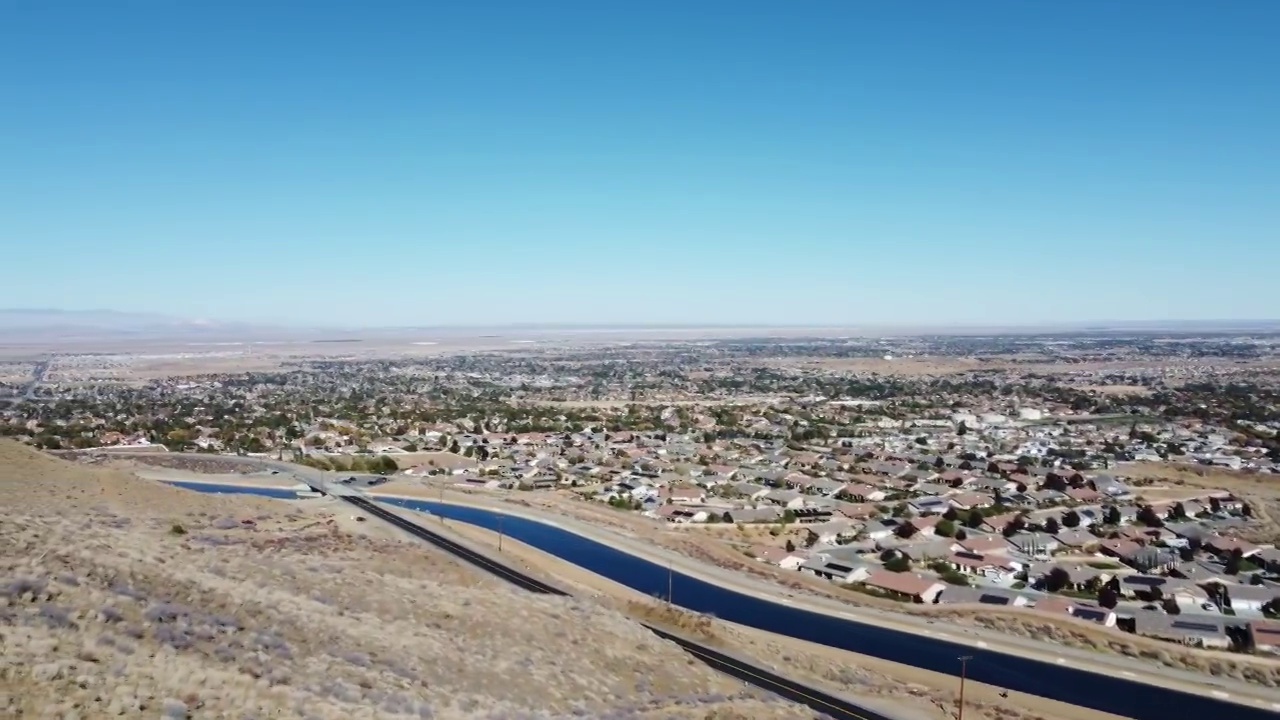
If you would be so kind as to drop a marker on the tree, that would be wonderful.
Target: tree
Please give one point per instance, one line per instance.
(1112, 516)
(898, 564)
(1246, 510)
(1051, 526)
(1148, 516)
(905, 530)
(1108, 597)
(975, 519)
(922, 441)
(945, 528)
(961, 534)
(1232, 566)
(900, 510)
(791, 547)
(1178, 512)
(963, 429)
(951, 514)
(1057, 579)
(1186, 554)
(1171, 606)
(454, 447)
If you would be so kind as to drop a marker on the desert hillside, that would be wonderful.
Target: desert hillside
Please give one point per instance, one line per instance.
(120, 597)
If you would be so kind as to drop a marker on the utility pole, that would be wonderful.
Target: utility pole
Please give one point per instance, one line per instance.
(964, 661)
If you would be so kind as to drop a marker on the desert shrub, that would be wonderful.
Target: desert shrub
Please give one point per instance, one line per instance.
(358, 659)
(166, 612)
(17, 587)
(108, 614)
(55, 616)
(177, 637)
(129, 592)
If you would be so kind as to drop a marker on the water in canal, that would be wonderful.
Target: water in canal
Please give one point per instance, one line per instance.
(1087, 689)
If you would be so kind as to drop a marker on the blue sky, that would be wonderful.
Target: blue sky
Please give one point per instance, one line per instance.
(698, 162)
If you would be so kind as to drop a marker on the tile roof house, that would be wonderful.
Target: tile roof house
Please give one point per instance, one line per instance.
(1223, 546)
(984, 544)
(906, 586)
(783, 558)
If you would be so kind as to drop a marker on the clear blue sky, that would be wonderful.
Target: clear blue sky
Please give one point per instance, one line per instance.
(831, 162)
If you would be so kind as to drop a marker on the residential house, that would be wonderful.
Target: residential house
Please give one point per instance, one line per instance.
(1119, 549)
(971, 500)
(1151, 560)
(789, 499)
(861, 492)
(998, 568)
(1243, 599)
(838, 570)
(766, 514)
(997, 523)
(958, 595)
(984, 544)
(751, 491)
(687, 495)
(1078, 540)
(1268, 559)
(1264, 636)
(1224, 547)
(783, 558)
(1094, 614)
(929, 504)
(1080, 578)
(880, 529)
(1084, 495)
(924, 525)
(831, 531)
(681, 514)
(912, 587)
(1034, 543)
(1205, 631)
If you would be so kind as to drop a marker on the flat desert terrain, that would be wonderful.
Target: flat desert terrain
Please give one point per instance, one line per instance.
(120, 597)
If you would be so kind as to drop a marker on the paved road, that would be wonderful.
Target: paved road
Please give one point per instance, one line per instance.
(1115, 666)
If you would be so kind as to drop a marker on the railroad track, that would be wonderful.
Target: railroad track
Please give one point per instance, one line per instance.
(817, 700)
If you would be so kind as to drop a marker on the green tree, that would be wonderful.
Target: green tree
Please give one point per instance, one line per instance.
(898, 564)
(945, 528)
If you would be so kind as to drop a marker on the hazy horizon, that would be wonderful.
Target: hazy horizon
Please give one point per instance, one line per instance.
(719, 163)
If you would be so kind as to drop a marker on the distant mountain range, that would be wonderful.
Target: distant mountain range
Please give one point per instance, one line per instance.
(23, 326)
(49, 324)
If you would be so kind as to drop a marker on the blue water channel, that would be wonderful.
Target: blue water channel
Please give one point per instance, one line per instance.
(1100, 692)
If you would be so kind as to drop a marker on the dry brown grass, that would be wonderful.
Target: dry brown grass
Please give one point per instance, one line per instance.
(1260, 490)
(122, 597)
